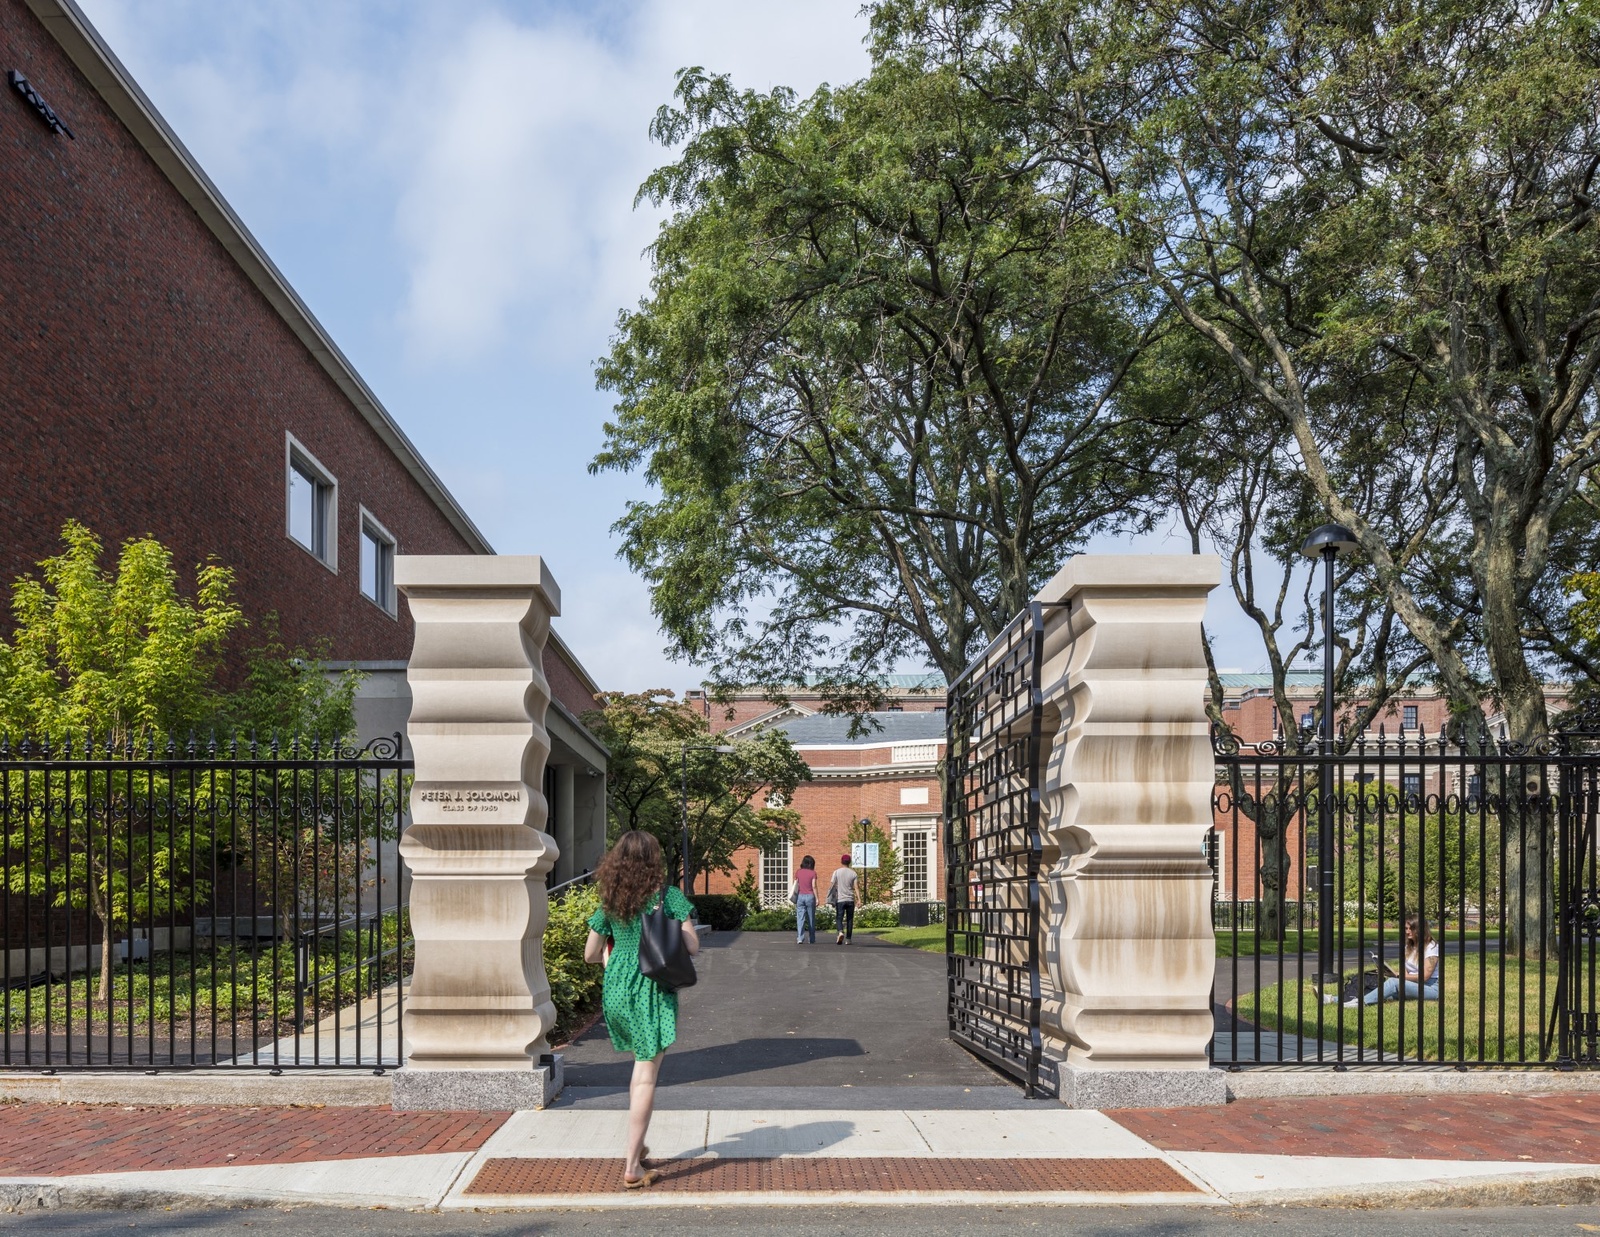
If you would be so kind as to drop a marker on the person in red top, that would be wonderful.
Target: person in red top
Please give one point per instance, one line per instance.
(804, 895)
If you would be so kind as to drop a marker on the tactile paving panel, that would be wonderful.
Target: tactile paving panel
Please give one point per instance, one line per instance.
(821, 1174)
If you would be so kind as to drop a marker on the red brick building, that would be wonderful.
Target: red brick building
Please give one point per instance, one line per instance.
(888, 773)
(159, 376)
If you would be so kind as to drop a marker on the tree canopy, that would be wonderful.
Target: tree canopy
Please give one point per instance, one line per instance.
(1060, 267)
(663, 762)
(874, 382)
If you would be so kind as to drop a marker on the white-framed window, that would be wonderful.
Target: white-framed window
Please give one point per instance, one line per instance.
(377, 563)
(775, 875)
(311, 499)
(1408, 716)
(914, 840)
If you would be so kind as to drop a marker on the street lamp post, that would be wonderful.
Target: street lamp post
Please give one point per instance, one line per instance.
(1326, 543)
(722, 748)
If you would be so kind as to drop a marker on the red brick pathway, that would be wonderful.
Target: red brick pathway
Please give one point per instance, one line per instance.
(836, 1174)
(1561, 1129)
(55, 1141)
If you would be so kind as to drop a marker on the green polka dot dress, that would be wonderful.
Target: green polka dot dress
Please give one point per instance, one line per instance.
(641, 1018)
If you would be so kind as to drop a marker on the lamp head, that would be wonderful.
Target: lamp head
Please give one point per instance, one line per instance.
(1334, 537)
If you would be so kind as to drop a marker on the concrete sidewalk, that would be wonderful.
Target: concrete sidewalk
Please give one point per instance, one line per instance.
(1393, 1151)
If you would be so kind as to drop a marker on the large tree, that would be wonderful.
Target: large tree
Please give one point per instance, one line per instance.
(1343, 188)
(874, 383)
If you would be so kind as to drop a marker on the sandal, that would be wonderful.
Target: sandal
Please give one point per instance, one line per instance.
(651, 1176)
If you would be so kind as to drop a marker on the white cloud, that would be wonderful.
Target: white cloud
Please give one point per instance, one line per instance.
(532, 140)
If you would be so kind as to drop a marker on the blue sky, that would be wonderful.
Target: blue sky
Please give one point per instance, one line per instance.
(449, 185)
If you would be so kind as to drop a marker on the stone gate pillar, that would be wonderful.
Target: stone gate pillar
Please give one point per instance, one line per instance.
(478, 1011)
(1126, 802)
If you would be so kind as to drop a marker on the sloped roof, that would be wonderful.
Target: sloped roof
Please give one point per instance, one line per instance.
(833, 730)
(77, 36)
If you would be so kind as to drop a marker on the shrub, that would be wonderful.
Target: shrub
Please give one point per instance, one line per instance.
(780, 919)
(722, 911)
(574, 983)
(878, 915)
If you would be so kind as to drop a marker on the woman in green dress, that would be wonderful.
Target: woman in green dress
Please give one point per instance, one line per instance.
(641, 1018)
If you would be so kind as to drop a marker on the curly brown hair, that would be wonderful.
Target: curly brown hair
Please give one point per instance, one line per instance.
(630, 875)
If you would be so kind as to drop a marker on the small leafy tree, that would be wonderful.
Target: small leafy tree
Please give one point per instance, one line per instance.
(734, 799)
(877, 884)
(748, 890)
(125, 657)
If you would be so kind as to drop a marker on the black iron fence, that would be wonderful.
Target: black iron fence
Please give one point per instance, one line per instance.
(993, 847)
(226, 905)
(1484, 850)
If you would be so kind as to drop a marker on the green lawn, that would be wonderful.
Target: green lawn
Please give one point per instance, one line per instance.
(1299, 940)
(1510, 1033)
(238, 983)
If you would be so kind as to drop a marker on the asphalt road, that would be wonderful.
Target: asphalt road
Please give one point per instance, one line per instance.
(767, 1012)
(825, 1221)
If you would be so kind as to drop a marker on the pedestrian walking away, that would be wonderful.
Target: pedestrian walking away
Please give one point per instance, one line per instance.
(842, 897)
(641, 1017)
(803, 893)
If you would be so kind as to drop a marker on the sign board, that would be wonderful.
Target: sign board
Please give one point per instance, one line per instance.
(864, 854)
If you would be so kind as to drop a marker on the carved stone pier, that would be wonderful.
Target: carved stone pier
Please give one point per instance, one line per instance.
(478, 1012)
(1128, 951)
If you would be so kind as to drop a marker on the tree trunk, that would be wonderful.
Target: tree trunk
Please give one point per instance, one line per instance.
(1530, 924)
(104, 912)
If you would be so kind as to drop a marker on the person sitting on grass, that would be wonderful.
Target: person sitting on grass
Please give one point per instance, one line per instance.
(1420, 964)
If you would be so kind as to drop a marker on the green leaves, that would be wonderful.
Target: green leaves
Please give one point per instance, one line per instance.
(662, 765)
(873, 382)
(123, 656)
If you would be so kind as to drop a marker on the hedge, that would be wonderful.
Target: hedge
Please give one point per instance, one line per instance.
(721, 911)
(781, 919)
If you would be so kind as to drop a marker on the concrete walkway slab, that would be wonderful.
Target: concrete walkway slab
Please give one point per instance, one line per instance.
(557, 1134)
(1278, 1178)
(744, 1135)
(387, 1181)
(1060, 1132)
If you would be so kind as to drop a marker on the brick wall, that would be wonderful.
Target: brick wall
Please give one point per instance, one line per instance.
(146, 386)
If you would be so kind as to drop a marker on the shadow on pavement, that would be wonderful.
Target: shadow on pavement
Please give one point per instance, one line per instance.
(751, 1056)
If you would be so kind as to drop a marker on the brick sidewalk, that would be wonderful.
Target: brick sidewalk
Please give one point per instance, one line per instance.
(38, 1140)
(1559, 1129)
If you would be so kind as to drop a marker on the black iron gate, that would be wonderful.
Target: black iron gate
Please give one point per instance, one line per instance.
(1485, 847)
(224, 905)
(1577, 1021)
(992, 846)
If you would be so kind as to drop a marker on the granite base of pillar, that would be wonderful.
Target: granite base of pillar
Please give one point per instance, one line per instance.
(1081, 1087)
(478, 1090)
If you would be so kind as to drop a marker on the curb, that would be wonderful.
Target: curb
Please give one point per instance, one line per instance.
(1579, 1186)
(1265, 1084)
(246, 1088)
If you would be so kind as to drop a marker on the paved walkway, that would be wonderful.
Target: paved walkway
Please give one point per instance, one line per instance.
(767, 1012)
(1383, 1150)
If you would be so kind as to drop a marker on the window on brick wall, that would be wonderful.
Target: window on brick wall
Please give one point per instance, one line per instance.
(775, 875)
(1408, 716)
(916, 850)
(377, 563)
(311, 496)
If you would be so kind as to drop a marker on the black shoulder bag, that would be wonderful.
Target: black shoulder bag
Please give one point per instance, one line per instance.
(663, 953)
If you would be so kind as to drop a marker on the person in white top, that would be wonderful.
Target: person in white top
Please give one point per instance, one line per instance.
(1420, 965)
(842, 897)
